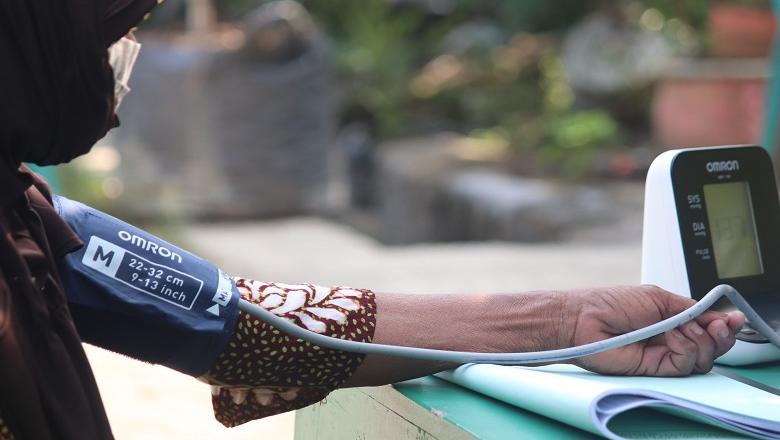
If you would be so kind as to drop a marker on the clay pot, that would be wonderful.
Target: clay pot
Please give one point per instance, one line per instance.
(741, 31)
(710, 102)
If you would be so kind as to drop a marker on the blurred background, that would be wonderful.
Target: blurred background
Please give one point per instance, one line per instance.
(410, 145)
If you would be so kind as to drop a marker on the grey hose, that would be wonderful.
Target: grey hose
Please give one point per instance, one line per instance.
(467, 357)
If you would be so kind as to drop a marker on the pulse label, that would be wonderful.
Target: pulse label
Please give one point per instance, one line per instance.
(162, 282)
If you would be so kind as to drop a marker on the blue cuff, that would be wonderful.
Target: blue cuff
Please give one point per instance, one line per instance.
(133, 293)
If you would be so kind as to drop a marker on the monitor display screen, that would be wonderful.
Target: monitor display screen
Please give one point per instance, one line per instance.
(733, 229)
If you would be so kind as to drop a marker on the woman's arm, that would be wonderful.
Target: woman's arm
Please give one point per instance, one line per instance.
(264, 372)
(547, 320)
(463, 322)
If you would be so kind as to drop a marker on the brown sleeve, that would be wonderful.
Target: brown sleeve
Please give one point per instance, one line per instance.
(60, 236)
(265, 372)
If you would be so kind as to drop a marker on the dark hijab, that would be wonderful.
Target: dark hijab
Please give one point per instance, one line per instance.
(56, 86)
(56, 101)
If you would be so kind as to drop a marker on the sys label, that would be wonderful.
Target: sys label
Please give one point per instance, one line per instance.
(162, 282)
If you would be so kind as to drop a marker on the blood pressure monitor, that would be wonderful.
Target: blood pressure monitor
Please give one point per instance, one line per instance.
(712, 217)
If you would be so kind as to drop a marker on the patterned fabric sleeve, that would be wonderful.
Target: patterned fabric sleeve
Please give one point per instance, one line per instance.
(264, 372)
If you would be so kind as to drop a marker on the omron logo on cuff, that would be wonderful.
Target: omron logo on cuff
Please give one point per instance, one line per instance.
(149, 245)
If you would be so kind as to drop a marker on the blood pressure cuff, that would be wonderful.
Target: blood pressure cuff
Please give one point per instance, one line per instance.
(135, 294)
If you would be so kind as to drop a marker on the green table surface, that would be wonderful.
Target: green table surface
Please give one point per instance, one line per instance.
(768, 374)
(482, 416)
(490, 419)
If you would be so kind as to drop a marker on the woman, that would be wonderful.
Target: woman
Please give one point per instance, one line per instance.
(59, 95)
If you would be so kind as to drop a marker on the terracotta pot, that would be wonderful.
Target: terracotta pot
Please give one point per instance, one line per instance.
(741, 31)
(710, 102)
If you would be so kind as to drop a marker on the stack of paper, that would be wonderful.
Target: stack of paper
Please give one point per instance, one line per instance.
(631, 407)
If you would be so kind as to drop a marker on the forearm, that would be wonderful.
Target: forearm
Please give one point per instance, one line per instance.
(476, 322)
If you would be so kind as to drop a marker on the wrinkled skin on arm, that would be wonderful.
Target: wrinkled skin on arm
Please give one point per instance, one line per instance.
(549, 320)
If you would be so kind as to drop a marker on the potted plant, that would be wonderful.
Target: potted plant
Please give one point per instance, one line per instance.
(741, 28)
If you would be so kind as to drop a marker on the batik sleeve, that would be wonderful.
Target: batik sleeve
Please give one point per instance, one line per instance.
(263, 371)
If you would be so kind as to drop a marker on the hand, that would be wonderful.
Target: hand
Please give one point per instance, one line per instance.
(602, 313)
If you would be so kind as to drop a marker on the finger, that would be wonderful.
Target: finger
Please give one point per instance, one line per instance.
(708, 317)
(723, 336)
(672, 304)
(681, 356)
(737, 320)
(705, 344)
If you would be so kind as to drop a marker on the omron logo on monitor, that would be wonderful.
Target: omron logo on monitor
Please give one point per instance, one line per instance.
(723, 165)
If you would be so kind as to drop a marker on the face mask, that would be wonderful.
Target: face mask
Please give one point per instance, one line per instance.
(121, 57)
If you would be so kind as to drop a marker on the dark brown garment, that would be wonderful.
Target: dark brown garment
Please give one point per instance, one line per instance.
(56, 101)
(46, 386)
